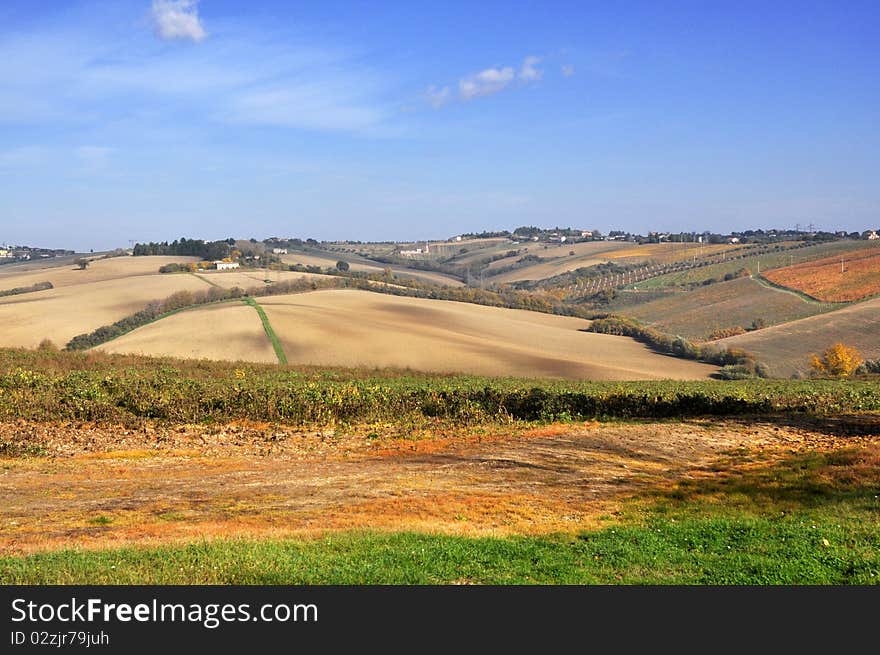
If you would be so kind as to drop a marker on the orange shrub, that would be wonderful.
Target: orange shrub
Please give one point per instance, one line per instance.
(839, 360)
(723, 333)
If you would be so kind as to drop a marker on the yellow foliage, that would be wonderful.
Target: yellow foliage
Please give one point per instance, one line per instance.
(839, 360)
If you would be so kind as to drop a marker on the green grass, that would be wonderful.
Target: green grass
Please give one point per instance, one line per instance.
(814, 519)
(270, 332)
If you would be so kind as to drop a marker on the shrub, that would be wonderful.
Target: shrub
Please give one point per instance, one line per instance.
(342, 265)
(723, 333)
(839, 360)
(47, 345)
(869, 367)
(39, 286)
(176, 268)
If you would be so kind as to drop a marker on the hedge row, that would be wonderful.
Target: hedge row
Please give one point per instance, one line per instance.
(735, 363)
(39, 286)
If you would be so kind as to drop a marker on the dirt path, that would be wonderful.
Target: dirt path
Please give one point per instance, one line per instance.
(190, 483)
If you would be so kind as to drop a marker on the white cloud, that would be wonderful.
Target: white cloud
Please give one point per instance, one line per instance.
(567, 70)
(485, 83)
(178, 19)
(437, 97)
(528, 72)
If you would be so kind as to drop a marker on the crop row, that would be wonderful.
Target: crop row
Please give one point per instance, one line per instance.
(164, 393)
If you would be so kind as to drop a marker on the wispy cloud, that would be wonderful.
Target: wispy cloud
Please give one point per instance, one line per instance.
(437, 97)
(486, 83)
(317, 106)
(567, 70)
(528, 72)
(178, 19)
(99, 76)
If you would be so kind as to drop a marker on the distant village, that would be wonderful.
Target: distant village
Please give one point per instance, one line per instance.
(9, 254)
(570, 235)
(219, 252)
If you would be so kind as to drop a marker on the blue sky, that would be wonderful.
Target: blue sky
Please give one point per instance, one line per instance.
(149, 120)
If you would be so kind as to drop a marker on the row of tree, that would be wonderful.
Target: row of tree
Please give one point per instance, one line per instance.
(186, 248)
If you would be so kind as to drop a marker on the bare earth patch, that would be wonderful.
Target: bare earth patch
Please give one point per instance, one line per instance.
(97, 487)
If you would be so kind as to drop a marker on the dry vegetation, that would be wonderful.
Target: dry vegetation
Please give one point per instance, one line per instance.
(845, 278)
(110, 486)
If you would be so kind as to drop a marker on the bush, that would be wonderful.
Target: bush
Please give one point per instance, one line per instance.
(839, 360)
(869, 367)
(723, 333)
(342, 265)
(39, 286)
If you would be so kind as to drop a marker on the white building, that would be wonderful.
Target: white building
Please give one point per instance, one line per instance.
(226, 266)
(279, 251)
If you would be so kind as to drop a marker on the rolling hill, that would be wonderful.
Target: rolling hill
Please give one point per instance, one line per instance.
(362, 329)
(786, 348)
(696, 314)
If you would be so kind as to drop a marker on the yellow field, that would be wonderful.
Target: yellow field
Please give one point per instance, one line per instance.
(82, 301)
(359, 328)
(230, 331)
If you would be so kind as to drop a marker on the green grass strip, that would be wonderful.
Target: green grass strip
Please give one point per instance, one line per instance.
(267, 326)
(206, 281)
(704, 550)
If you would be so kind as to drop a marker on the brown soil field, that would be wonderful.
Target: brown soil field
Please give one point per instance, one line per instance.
(786, 348)
(314, 259)
(591, 253)
(100, 270)
(70, 309)
(102, 487)
(231, 332)
(351, 328)
(359, 328)
(250, 279)
(823, 279)
(696, 314)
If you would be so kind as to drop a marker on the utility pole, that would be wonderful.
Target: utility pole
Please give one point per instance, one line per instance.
(841, 264)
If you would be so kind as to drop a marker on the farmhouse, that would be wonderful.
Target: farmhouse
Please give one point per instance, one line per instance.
(225, 266)
(279, 251)
(415, 252)
(872, 235)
